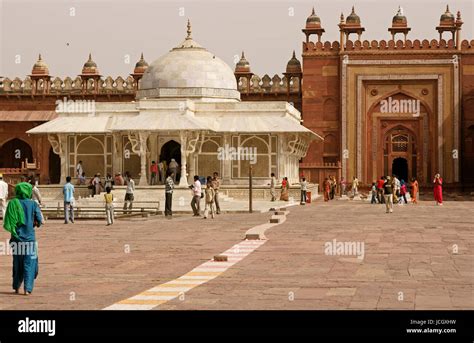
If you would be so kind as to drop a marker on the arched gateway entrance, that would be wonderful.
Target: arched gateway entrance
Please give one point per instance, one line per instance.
(400, 168)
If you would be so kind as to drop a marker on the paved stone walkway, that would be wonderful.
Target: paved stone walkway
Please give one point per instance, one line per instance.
(88, 261)
(408, 261)
(408, 264)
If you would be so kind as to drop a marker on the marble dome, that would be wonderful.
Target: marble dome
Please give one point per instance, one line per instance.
(188, 70)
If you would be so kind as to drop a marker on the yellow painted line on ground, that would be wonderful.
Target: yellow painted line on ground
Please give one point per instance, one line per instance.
(196, 277)
(203, 273)
(164, 293)
(174, 284)
(141, 302)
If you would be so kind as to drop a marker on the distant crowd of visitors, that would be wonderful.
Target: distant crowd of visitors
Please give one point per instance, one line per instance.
(387, 190)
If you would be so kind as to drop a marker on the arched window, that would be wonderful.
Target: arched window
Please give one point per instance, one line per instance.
(400, 143)
(14, 152)
(95, 152)
(259, 151)
(208, 161)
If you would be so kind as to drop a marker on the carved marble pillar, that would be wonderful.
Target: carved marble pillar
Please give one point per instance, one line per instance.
(189, 141)
(227, 163)
(116, 153)
(138, 141)
(59, 145)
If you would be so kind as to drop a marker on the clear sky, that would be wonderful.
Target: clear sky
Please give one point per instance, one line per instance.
(117, 31)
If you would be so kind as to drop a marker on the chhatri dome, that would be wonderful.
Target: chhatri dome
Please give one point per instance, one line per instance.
(447, 16)
(399, 19)
(313, 21)
(40, 68)
(189, 71)
(353, 18)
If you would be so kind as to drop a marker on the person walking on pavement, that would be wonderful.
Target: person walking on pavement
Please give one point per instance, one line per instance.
(438, 189)
(68, 193)
(3, 196)
(197, 195)
(355, 186)
(169, 187)
(380, 190)
(21, 218)
(109, 205)
(273, 182)
(209, 197)
(343, 185)
(216, 184)
(304, 186)
(388, 194)
(414, 190)
(129, 195)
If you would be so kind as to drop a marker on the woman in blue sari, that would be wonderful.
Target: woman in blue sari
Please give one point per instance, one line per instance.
(21, 217)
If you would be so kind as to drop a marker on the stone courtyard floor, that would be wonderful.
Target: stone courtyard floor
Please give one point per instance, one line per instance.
(419, 257)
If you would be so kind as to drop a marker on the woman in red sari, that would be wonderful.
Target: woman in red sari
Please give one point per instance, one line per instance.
(438, 189)
(285, 188)
(414, 191)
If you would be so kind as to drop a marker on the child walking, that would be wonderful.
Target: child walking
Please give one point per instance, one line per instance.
(374, 193)
(109, 206)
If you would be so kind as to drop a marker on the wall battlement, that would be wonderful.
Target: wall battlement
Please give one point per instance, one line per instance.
(390, 46)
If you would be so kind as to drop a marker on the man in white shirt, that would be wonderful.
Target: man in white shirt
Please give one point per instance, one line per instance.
(129, 197)
(3, 196)
(304, 188)
(273, 183)
(79, 169)
(197, 193)
(173, 168)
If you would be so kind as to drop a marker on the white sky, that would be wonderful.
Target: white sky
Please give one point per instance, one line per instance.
(267, 31)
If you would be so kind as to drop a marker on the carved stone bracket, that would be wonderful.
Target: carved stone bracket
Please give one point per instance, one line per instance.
(55, 142)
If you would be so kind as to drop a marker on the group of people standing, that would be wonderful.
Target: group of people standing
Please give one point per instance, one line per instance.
(285, 188)
(389, 190)
(330, 187)
(160, 171)
(210, 194)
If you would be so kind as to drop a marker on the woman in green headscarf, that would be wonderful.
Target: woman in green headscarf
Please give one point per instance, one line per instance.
(21, 217)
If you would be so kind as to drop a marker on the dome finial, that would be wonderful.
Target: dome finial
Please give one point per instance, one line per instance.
(400, 10)
(313, 13)
(353, 10)
(189, 30)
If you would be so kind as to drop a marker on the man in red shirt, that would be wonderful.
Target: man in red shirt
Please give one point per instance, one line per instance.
(153, 172)
(380, 184)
